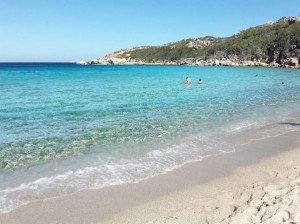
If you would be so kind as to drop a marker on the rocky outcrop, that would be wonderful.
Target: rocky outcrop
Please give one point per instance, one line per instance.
(288, 63)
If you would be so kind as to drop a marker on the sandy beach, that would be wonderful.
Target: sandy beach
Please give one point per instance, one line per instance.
(263, 192)
(258, 183)
(133, 112)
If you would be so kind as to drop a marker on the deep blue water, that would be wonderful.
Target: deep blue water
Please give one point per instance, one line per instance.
(76, 127)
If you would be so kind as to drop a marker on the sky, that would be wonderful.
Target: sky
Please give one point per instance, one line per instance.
(72, 30)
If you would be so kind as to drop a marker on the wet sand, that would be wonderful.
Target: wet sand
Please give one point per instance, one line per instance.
(259, 182)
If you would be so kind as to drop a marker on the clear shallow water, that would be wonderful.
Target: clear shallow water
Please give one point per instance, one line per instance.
(66, 127)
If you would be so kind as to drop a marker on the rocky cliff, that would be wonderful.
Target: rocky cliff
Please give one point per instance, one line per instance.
(272, 44)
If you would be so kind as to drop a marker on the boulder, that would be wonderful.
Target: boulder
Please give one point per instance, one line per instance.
(216, 62)
(81, 62)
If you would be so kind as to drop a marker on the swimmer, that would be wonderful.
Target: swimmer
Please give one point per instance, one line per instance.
(200, 81)
(188, 80)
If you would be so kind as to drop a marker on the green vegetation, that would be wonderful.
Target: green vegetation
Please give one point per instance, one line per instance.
(164, 53)
(272, 42)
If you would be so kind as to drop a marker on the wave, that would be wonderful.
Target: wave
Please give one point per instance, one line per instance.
(117, 171)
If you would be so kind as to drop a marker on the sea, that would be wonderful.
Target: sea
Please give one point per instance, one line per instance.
(66, 127)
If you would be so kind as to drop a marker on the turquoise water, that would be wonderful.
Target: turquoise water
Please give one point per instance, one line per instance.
(65, 127)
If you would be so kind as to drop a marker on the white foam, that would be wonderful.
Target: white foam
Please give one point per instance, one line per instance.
(135, 169)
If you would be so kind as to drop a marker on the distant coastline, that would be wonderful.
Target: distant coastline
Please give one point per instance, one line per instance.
(211, 63)
(214, 63)
(274, 44)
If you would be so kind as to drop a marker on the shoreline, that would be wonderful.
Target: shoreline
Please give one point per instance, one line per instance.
(244, 64)
(95, 206)
(266, 191)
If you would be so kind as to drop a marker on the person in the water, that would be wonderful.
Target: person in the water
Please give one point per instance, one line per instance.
(188, 80)
(282, 83)
(200, 81)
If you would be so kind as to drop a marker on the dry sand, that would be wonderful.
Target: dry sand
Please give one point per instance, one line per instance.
(267, 192)
(259, 183)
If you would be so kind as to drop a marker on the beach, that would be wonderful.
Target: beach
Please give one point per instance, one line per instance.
(258, 183)
(266, 191)
(102, 121)
(78, 147)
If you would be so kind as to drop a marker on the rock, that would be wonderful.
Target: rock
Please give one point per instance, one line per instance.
(81, 62)
(93, 62)
(216, 62)
(292, 62)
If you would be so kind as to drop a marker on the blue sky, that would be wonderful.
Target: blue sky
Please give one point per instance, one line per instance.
(70, 30)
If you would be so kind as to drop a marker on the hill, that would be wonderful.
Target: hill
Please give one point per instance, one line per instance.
(272, 44)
